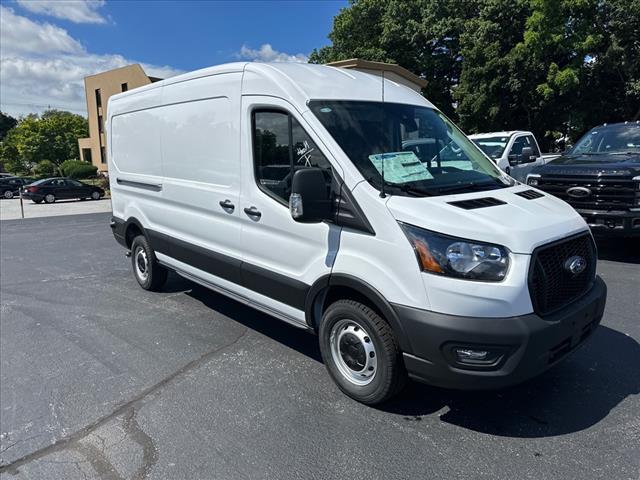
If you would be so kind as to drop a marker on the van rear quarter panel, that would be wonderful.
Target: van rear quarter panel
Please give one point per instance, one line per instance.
(134, 153)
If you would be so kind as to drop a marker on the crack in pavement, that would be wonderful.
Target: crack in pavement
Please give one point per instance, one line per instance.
(131, 425)
(149, 450)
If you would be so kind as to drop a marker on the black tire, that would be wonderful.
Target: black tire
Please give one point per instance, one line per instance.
(389, 375)
(95, 195)
(156, 274)
(8, 194)
(49, 198)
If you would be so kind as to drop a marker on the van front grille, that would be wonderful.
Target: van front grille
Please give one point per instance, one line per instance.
(551, 283)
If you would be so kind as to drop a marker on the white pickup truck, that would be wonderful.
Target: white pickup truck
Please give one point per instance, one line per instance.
(516, 152)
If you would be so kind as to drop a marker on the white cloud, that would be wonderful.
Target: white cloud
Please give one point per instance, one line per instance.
(19, 34)
(266, 53)
(42, 65)
(76, 11)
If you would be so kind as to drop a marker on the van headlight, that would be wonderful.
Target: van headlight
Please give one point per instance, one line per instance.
(456, 257)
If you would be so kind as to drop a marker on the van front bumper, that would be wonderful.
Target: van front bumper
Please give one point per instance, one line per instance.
(518, 348)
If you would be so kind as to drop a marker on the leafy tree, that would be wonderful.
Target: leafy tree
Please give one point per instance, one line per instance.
(556, 67)
(52, 136)
(420, 35)
(7, 122)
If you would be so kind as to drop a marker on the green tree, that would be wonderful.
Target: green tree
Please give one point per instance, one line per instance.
(556, 67)
(420, 35)
(52, 136)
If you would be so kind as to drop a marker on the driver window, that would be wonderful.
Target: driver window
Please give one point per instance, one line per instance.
(280, 147)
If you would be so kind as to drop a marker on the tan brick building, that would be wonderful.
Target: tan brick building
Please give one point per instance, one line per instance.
(98, 89)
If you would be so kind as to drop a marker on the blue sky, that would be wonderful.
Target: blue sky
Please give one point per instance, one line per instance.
(193, 34)
(48, 46)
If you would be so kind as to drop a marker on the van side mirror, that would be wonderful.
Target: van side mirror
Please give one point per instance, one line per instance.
(310, 201)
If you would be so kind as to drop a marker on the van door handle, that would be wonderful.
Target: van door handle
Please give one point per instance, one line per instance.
(227, 205)
(253, 212)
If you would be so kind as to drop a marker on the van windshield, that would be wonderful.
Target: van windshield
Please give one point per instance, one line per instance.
(412, 150)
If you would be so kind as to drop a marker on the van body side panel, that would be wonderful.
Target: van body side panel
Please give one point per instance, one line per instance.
(201, 163)
(135, 157)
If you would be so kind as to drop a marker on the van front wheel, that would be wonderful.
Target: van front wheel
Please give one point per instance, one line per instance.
(361, 353)
(148, 272)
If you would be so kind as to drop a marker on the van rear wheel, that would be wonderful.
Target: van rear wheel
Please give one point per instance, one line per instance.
(148, 272)
(361, 352)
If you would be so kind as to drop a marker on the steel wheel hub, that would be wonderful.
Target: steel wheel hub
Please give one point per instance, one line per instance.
(353, 352)
(142, 264)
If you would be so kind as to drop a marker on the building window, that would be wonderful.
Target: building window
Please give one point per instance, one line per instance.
(103, 157)
(124, 87)
(100, 124)
(98, 98)
(86, 154)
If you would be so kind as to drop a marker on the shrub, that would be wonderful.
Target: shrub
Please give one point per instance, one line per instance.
(78, 169)
(45, 168)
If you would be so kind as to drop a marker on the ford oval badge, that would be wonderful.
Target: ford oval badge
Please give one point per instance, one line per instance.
(578, 192)
(575, 265)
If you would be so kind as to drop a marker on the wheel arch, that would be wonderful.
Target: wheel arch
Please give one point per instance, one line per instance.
(132, 229)
(332, 287)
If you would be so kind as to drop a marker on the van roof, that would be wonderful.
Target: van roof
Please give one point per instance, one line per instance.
(300, 82)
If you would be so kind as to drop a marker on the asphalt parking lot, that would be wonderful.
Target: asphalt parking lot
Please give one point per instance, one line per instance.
(100, 379)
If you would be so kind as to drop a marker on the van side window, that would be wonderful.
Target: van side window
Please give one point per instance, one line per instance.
(280, 147)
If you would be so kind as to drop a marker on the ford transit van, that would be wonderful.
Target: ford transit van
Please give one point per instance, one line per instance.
(349, 205)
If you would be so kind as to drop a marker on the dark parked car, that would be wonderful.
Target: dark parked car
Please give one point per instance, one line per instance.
(10, 186)
(51, 189)
(599, 177)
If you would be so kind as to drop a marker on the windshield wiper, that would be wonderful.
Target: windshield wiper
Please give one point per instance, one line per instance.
(406, 188)
(472, 187)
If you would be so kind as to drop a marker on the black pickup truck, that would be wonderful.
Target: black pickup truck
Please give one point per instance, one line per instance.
(599, 177)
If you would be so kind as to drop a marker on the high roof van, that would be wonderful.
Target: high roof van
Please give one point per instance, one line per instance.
(347, 204)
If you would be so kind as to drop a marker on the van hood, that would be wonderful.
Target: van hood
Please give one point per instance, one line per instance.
(520, 224)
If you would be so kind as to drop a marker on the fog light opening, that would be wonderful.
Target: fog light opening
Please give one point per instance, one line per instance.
(466, 354)
(477, 356)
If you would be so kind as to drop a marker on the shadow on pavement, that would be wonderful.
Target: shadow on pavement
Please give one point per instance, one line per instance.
(295, 338)
(572, 396)
(618, 249)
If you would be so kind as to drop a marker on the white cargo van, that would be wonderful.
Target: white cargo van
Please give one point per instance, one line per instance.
(347, 204)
